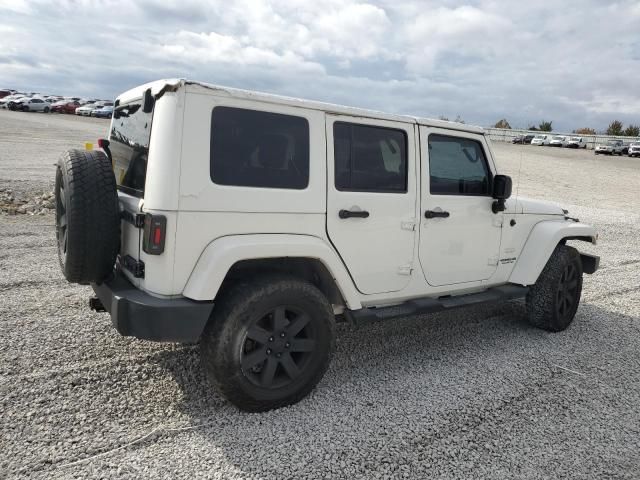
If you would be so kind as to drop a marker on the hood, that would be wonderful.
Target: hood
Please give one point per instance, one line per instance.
(537, 207)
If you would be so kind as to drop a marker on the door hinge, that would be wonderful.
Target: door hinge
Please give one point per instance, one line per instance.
(405, 270)
(493, 261)
(135, 219)
(136, 267)
(408, 225)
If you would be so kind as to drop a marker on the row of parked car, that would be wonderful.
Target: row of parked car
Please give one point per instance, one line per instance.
(611, 147)
(49, 103)
(551, 140)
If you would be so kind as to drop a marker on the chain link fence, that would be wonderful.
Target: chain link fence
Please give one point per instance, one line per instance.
(507, 135)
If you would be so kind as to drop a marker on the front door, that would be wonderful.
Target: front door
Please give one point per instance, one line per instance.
(459, 233)
(371, 201)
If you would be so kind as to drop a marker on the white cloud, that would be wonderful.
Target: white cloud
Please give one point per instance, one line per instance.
(482, 59)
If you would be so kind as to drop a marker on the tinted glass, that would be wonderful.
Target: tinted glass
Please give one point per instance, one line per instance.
(369, 158)
(130, 134)
(457, 166)
(259, 149)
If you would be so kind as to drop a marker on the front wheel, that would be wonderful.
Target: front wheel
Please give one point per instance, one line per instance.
(269, 342)
(46, 109)
(553, 301)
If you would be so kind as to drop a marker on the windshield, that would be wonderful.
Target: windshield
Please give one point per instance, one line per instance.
(612, 144)
(130, 134)
(575, 139)
(539, 137)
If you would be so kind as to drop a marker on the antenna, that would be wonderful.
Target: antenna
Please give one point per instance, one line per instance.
(518, 184)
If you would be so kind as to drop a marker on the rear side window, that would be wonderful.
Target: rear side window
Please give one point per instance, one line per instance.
(130, 135)
(259, 149)
(369, 158)
(457, 166)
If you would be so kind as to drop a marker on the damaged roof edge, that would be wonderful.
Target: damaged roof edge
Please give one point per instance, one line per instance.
(158, 88)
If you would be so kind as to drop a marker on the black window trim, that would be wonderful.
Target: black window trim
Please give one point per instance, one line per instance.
(223, 185)
(369, 190)
(485, 161)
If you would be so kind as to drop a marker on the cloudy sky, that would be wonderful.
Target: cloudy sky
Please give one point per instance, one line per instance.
(576, 63)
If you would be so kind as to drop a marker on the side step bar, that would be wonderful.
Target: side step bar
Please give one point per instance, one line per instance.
(433, 305)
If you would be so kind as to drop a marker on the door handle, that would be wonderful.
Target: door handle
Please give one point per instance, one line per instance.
(353, 213)
(435, 214)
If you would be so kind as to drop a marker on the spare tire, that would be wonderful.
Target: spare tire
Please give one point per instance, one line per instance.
(87, 216)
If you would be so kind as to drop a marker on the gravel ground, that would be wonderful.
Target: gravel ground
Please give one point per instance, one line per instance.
(473, 394)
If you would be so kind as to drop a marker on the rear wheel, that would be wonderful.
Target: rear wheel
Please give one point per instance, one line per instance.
(46, 109)
(269, 342)
(553, 301)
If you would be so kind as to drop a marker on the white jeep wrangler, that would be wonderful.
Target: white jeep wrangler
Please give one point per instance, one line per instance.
(250, 222)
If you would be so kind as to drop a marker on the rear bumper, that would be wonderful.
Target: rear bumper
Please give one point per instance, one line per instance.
(135, 313)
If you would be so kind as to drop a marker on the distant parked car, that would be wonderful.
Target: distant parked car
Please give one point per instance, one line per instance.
(85, 110)
(541, 140)
(558, 141)
(4, 93)
(65, 106)
(634, 149)
(4, 102)
(612, 147)
(523, 139)
(576, 142)
(34, 105)
(625, 149)
(99, 106)
(104, 112)
(11, 101)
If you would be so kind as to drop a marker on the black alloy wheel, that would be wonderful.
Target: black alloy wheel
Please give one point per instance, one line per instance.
(567, 291)
(62, 235)
(553, 300)
(277, 347)
(269, 341)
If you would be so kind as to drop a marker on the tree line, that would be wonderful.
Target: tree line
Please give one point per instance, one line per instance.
(615, 128)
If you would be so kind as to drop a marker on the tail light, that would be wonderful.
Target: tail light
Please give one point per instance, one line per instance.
(154, 233)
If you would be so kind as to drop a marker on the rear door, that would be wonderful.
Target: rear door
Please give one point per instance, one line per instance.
(459, 234)
(129, 145)
(371, 201)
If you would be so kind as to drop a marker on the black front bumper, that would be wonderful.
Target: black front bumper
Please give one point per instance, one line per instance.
(135, 313)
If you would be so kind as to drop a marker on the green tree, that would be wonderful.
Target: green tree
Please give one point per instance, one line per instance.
(585, 131)
(533, 128)
(442, 117)
(615, 128)
(502, 124)
(459, 119)
(545, 126)
(632, 131)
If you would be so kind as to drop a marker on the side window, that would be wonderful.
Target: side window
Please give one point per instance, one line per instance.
(259, 149)
(457, 166)
(369, 158)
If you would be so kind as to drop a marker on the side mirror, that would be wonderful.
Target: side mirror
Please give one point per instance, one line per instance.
(147, 101)
(501, 191)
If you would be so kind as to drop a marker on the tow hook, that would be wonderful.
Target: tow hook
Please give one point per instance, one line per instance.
(96, 305)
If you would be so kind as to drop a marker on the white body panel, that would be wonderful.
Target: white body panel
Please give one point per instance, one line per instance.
(393, 255)
(540, 245)
(220, 256)
(463, 247)
(378, 250)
